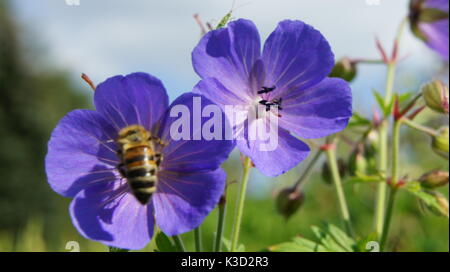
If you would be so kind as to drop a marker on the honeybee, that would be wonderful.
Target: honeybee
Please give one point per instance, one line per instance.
(138, 161)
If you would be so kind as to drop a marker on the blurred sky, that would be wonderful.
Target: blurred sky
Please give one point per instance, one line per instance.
(103, 38)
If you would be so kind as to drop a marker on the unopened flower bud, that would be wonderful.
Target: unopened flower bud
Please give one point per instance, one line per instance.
(436, 94)
(434, 179)
(442, 201)
(373, 139)
(288, 201)
(345, 69)
(357, 163)
(326, 171)
(440, 143)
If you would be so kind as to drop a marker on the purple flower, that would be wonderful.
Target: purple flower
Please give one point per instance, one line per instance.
(289, 79)
(83, 163)
(429, 22)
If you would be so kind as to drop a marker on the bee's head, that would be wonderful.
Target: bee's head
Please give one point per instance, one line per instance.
(133, 134)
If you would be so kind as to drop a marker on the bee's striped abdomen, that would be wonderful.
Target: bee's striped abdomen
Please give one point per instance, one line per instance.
(140, 171)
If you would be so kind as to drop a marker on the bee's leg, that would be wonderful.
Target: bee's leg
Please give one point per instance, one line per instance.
(158, 158)
(157, 140)
(121, 168)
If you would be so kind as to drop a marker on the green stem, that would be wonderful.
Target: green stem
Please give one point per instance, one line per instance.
(240, 204)
(382, 186)
(308, 168)
(395, 151)
(198, 239)
(391, 68)
(383, 162)
(383, 155)
(419, 127)
(220, 225)
(394, 180)
(179, 243)
(390, 209)
(400, 30)
(339, 190)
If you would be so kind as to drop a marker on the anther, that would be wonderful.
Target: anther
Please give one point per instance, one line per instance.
(266, 90)
(275, 103)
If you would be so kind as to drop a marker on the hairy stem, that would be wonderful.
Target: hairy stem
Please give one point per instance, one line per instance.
(383, 162)
(382, 186)
(395, 151)
(394, 180)
(389, 212)
(308, 168)
(331, 155)
(419, 127)
(240, 204)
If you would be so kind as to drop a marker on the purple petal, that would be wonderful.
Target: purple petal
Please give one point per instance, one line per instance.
(296, 56)
(101, 213)
(80, 153)
(228, 54)
(183, 200)
(289, 152)
(196, 151)
(319, 111)
(437, 36)
(136, 99)
(213, 89)
(437, 4)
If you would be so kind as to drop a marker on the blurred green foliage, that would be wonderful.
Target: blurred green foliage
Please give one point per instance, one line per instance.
(31, 103)
(34, 218)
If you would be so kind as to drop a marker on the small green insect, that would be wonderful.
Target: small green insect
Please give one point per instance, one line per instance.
(224, 20)
(227, 18)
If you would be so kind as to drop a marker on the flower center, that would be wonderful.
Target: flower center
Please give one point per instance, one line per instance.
(268, 103)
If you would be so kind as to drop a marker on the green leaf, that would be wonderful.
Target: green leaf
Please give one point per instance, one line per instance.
(341, 237)
(387, 109)
(379, 98)
(429, 198)
(164, 244)
(227, 246)
(299, 244)
(327, 240)
(358, 121)
(404, 97)
(330, 239)
(116, 249)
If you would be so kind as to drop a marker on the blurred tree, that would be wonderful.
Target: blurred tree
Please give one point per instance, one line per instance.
(31, 104)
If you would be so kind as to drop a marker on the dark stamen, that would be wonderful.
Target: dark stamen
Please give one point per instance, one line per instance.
(275, 103)
(266, 90)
